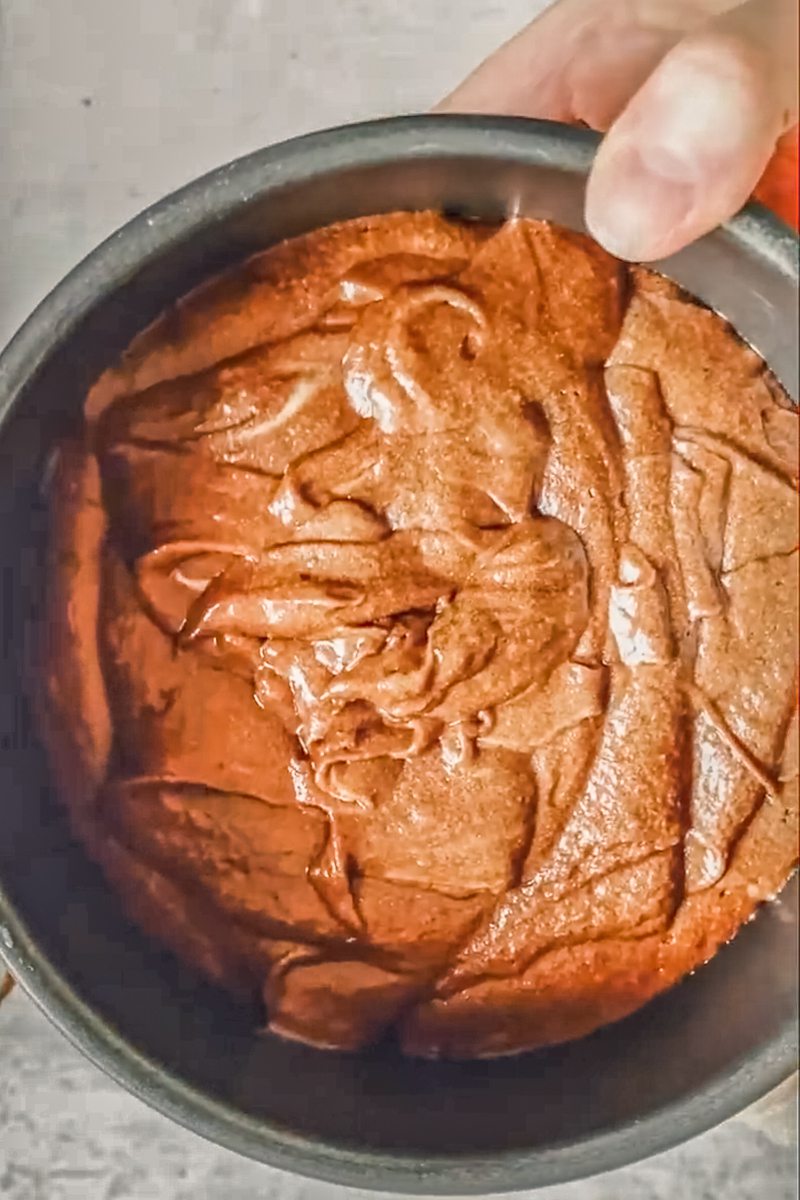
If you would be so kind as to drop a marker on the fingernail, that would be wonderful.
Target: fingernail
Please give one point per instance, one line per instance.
(634, 212)
(678, 150)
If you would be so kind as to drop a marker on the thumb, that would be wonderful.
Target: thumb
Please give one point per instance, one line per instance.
(692, 144)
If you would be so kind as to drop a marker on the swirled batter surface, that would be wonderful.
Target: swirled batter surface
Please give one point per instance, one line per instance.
(421, 646)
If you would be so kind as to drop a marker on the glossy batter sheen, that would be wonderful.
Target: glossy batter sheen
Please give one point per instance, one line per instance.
(422, 625)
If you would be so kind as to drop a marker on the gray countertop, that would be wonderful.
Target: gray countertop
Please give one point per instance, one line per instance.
(104, 107)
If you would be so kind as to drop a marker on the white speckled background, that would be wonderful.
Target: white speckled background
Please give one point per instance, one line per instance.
(105, 105)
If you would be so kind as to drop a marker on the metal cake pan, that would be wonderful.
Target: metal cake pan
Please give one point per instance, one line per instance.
(695, 1056)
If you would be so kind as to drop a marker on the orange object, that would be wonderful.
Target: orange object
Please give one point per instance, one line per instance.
(778, 186)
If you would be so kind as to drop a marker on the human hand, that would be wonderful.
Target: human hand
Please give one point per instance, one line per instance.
(698, 98)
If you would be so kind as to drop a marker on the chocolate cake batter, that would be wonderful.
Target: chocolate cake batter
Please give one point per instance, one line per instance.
(421, 639)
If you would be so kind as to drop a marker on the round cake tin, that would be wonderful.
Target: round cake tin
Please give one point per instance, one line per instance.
(695, 1056)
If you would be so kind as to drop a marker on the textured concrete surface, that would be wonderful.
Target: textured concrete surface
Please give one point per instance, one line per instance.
(104, 107)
